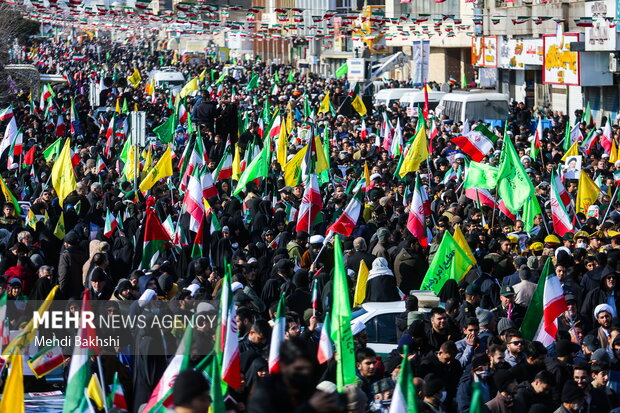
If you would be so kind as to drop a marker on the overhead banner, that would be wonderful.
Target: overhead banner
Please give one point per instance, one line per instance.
(560, 64)
(421, 56)
(517, 53)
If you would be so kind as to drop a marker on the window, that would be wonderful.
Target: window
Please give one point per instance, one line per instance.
(382, 329)
(452, 110)
(486, 110)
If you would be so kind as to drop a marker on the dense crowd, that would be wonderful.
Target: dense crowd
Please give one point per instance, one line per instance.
(474, 336)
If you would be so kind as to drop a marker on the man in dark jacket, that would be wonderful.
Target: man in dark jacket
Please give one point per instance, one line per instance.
(360, 254)
(72, 258)
(537, 391)
(608, 288)
(205, 112)
(410, 266)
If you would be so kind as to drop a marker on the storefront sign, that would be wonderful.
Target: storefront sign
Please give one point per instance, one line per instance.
(516, 53)
(560, 65)
(600, 37)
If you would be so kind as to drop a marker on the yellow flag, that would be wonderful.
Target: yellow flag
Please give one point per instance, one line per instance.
(202, 75)
(25, 336)
(9, 197)
(321, 161)
(417, 153)
(291, 170)
(573, 151)
(289, 118)
(147, 154)
(236, 166)
(63, 179)
(95, 393)
(117, 109)
(282, 145)
(13, 394)
(135, 78)
(129, 166)
(360, 285)
(366, 174)
(31, 220)
(613, 156)
(189, 88)
(163, 169)
(460, 240)
(324, 107)
(148, 88)
(59, 231)
(358, 105)
(587, 192)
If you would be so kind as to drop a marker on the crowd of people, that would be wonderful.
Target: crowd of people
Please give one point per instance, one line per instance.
(473, 336)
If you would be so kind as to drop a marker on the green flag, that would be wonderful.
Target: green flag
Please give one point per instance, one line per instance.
(276, 78)
(342, 71)
(252, 84)
(449, 262)
(291, 76)
(165, 131)
(477, 402)
(404, 398)
(530, 210)
(480, 175)
(217, 397)
(341, 333)
(53, 150)
(513, 184)
(258, 168)
(567, 143)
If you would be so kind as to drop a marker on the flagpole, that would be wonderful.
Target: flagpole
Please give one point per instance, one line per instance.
(102, 381)
(611, 201)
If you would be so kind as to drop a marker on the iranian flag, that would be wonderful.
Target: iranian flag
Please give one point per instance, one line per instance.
(111, 223)
(109, 136)
(117, 395)
(548, 303)
(477, 143)
(387, 132)
(416, 220)
(311, 204)
(561, 221)
(79, 370)
(183, 114)
(208, 186)
(231, 361)
(326, 347)
(46, 360)
(275, 125)
(277, 336)
(481, 196)
(404, 397)
(162, 394)
(156, 238)
(536, 142)
(60, 126)
(432, 134)
(346, 222)
(7, 113)
(607, 137)
(47, 92)
(560, 190)
(224, 168)
(589, 142)
(100, 164)
(504, 209)
(193, 201)
(15, 150)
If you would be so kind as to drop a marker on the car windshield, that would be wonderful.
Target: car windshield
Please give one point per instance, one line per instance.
(488, 109)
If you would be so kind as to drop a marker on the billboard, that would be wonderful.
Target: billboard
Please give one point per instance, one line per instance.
(560, 64)
(517, 53)
(484, 51)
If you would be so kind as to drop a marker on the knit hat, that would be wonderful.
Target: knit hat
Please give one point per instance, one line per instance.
(479, 360)
(502, 379)
(600, 356)
(485, 317)
(504, 324)
(188, 385)
(97, 275)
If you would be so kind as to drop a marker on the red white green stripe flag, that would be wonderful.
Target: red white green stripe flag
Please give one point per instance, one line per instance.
(345, 224)
(548, 303)
(156, 238)
(311, 204)
(404, 398)
(477, 143)
(6, 113)
(111, 223)
(416, 220)
(193, 201)
(117, 395)
(231, 359)
(326, 347)
(46, 360)
(277, 336)
(224, 168)
(561, 221)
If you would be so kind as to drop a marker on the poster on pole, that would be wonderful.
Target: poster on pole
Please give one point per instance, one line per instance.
(421, 55)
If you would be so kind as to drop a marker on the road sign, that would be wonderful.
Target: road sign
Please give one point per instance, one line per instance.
(138, 128)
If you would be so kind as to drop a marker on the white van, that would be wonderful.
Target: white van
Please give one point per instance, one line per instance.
(416, 98)
(388, 97)
(168, 77)
(474, 105)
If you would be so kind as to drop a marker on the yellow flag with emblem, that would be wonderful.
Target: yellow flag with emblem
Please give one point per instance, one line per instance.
(95, 392)
(13, 394)
(63, 178)
(587, 192)
(135, 78)
(324, 107)
(163, 169)
(417, 153)
(292, 168)
(282, 145)
(189, 88)
(360, 285)
(460, 240)
(236, 166)
(572, 151)
(613, 156)
(59, 231)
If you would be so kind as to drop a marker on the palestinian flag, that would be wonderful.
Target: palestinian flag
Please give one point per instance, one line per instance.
(326, 347)
(561, 221)
(277, 336)
(29, 156)
(46, 360)
(155, 240)
(548, 303)
(345, 224)
(477, 143)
